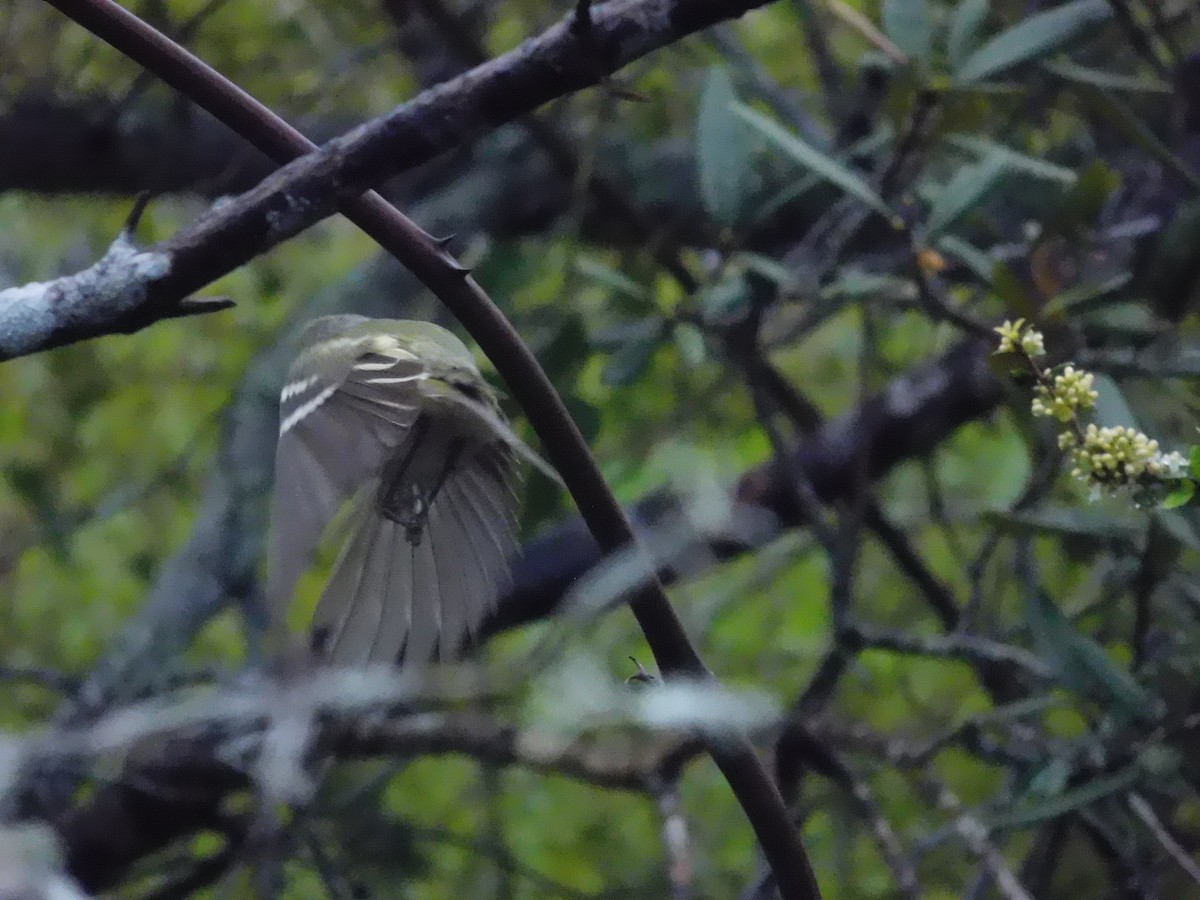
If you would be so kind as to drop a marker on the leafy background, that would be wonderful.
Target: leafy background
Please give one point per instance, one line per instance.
(961, 164)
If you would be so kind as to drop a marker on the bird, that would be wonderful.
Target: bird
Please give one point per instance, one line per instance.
(388, 426)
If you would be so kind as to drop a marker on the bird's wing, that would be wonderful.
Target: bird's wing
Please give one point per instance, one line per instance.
(335, 432)
(486, 420)
(399, 594)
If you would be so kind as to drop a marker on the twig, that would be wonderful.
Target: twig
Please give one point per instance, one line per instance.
(955, 646)
(676, 841)
(1145, 812)
(975, 835)
(860, 23)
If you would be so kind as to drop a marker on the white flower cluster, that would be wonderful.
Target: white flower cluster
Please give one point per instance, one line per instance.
(1070, 392)
(1106, 458)
(1016, 338)
(1119, 456)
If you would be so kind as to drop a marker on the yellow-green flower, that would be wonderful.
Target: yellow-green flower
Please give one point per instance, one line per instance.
(1071, 392)
(1015, 337)
(1119, 456)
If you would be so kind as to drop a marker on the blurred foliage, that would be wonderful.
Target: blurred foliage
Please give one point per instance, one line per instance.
(972, 161)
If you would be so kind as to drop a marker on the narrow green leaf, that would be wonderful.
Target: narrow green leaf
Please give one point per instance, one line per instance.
(1068, 801)
(690, 341)
(1181, 496)
(1112, 409)
(1052, 780)
(630, 360)
(1065, 521)
(816, 161)
(1194, 460)
(766, 267)
(724, 151)
(1032, 38)
(1014, 160)
(1082, 664)
(908, 24)
(965, 25)
(1109, 81)
(978, 261)
(867, 147)
(964, 191)
(853, 285)
(1087, 296)
(611, 278)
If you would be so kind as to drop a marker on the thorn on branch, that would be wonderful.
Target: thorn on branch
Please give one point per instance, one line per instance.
(581, 21)
(641, 676)
(615, 88)
(199, 306)
(135, 215)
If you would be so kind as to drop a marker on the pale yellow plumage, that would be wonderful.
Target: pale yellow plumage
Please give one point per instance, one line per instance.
(394, 418)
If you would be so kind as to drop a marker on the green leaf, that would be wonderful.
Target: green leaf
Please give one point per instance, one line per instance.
(726, 300)
(1052, 780)
(1087, 296)
(978, 261)
(1180, 526)
(964, 191)
(1194, 460)
(908, 24)
(1014, 161)
(1029, 813)
(690, 341)
(633, 356)
(611, 278)
(965, 25)
(853, 285)
(1112, 409)
(1109, 81)
(1032, 38)
(1083, 665)
(1181, 496)
(724, 151)
(816, 161)
(766, 267)
(1065, 521)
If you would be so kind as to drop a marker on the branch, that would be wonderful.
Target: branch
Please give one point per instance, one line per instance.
(313, 187)
(178, 786)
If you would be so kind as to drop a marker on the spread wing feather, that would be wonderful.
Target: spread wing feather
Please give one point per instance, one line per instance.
(335, 434)
(395, 592)
(424, 600)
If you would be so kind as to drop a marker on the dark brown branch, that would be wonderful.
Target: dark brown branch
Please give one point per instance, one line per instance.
(181, 786)
(505, 88)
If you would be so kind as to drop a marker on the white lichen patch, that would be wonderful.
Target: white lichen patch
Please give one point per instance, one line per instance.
(32, 314)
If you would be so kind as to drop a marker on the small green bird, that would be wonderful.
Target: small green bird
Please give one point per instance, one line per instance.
(394, 418)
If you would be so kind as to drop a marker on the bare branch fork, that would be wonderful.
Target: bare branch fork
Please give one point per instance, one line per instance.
(316, 185)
